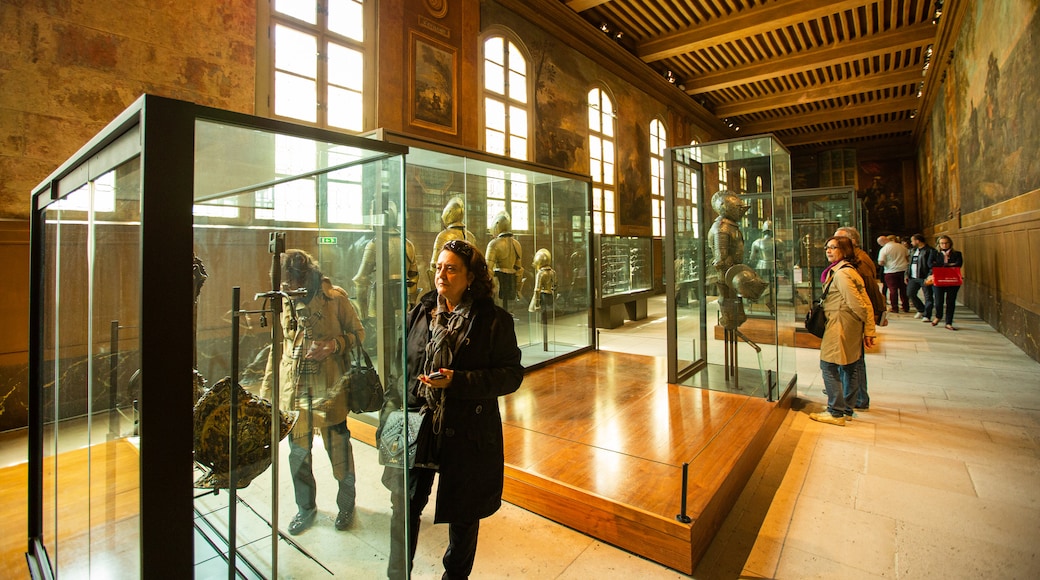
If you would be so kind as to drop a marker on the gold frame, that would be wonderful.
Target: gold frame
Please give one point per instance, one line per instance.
(433, 90)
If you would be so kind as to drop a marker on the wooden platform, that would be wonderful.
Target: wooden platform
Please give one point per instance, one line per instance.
(598, 442)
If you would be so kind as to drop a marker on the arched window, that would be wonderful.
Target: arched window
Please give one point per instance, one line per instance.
(743, 180)
(506, 125)
(602, 165)
(658, 144)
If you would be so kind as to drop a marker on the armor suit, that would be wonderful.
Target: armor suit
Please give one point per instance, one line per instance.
(503, 258)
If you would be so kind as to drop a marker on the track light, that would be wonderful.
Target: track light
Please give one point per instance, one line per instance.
(604, 27)
(938, 12)
(670, 77)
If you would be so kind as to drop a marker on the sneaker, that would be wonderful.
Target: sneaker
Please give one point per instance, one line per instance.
(826, 417)
(344, 519)
(918, 315)
(851, 416)
(925, 319)
(302, 521)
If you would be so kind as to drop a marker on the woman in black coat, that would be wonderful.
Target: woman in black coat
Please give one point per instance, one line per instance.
(946, 295)
(462, 352)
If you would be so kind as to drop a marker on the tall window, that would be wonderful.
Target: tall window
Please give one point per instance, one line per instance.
(318, 53)
(508, 192)
(602, 162)
(658, 143)
(743, 180)
(505, 99)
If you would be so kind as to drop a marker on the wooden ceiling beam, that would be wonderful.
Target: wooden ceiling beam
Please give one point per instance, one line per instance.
(583, 5)
(901, 39)
(848, 112)
(836, 90)
(845, 134)
(742, 25)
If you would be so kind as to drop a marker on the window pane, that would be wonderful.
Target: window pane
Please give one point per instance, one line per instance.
(608, 124)
(306, 11)
(608, 151)
(518, 148)
(597, 223)
(295, 97)
(595, 147)
(597, 198)
(517, 87)
(347, 17)
(518, 121)
(494, 207)
(494, 80)
(494, 115)
(517, 62)
(608, 174)
(494, 142)
(596, 170)
(594, 124)
(345, 201)
(295, 51)
(608, 200)
(519, 217)
(518, 188)
(346, 67)
(346, 109)
(493, 50)
(295, 201)
(608, 223)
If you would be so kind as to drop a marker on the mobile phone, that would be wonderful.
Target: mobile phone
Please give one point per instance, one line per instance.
(436, 375)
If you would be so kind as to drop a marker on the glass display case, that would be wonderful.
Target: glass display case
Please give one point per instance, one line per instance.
(731, 314)
(531, 222)
(817, 214)
(157, 384)
(624, 268)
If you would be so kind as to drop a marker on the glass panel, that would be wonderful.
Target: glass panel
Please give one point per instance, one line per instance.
(346, 109)
(743, 271)
(346, 67)
(347, 17)
(495, 114)
(494, 78)
(295, 97)
(495, 142)
(517, 86)
(295, 51)
(518, 122)
(306, 11)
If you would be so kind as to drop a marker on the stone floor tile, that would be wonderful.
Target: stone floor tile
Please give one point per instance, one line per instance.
(920, 469)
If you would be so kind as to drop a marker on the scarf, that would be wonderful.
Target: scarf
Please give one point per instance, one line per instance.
(447, 327)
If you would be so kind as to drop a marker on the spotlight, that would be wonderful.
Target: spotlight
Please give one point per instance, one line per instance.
(913, 114)
(670, 77)
(937, 14)
(618, 35)
(604, 27)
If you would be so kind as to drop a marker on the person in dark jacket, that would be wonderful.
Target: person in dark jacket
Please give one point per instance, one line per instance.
(946, 295)
(462, 355)
(917, 273)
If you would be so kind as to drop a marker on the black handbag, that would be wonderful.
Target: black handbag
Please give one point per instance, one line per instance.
(816, 318)
(365, 389)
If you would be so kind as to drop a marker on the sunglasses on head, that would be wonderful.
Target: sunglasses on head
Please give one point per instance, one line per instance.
(461, 247)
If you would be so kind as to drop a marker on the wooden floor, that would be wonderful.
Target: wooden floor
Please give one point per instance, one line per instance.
(598, 443)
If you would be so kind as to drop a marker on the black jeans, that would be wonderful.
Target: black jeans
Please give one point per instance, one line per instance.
(915, 285)
(946, 296)
(462, 537)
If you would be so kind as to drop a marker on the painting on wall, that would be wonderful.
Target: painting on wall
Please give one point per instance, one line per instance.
(995, 100)
(883, 197)
(433, 87)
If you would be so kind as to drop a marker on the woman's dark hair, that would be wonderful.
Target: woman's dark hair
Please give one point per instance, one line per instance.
(480, 287)
(848, 251)
(300, 270)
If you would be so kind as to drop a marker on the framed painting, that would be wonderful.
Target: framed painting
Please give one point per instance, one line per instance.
(432, 99)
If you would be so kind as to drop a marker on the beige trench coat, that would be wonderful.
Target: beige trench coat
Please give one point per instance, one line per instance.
(329, 315)
(850, 316)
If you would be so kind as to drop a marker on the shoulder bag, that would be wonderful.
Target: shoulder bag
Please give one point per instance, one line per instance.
(816, 319)
(400, 433)
(365, 388)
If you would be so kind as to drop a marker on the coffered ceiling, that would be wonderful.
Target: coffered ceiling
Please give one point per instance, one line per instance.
(816, 73)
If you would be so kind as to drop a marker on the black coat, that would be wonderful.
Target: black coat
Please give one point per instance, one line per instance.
(938, 260)
(924, 262)
(487, 366)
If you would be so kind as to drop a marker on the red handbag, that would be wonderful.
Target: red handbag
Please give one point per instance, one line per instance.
(947, 276)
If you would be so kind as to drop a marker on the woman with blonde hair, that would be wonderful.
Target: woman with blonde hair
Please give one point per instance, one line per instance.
(945, 296)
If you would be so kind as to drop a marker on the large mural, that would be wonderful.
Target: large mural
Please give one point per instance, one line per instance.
(881, 189)
(995, 102)
(562, 79)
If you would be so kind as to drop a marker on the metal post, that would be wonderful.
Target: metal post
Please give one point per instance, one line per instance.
(682, 517)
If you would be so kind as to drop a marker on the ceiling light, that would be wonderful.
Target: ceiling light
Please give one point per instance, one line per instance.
(604, 27)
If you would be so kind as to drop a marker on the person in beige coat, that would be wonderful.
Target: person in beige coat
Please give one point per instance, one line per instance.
(319, 329)
(850, 327)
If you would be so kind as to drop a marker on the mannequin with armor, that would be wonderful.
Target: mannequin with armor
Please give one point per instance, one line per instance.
(503, 258)
(728, 272)
(363, 280)
(453, 217)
